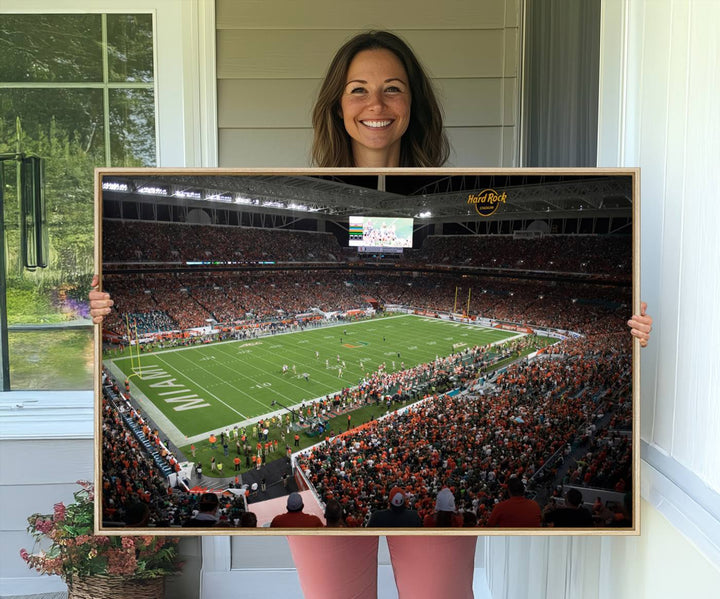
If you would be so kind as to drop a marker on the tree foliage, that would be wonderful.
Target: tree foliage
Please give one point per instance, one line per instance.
(65, 125)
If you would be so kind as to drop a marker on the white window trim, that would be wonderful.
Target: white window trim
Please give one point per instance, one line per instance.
(185, 76)
(690, 506)
(186, 129)
(46, 415)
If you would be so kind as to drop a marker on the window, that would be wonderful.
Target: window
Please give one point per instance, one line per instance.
(78, 90)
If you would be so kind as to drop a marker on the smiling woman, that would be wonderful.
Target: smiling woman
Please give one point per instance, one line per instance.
(377, 107)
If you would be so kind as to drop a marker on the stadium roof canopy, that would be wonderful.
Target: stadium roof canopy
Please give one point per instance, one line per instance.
(444, 197)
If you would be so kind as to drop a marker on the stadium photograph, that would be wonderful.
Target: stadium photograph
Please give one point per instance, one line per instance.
(377, 350)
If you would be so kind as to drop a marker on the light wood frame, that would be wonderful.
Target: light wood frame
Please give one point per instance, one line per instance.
(518, 175)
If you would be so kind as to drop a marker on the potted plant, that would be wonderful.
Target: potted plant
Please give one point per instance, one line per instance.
(97, 566)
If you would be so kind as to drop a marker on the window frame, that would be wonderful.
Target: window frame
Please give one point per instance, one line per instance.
(186, 135)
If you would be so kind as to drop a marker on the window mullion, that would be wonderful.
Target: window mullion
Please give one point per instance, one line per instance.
(4, 346)
(106, 89)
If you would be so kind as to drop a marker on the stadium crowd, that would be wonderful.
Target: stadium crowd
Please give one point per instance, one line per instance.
(248, 299)
(573, 395)
(556, 253)
(136, 241)
(473, 443)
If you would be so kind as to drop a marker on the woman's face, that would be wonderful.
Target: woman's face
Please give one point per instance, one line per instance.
(375, 107)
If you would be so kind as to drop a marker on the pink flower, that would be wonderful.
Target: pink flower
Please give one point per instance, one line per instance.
(43, 526)
(53, 565)
(121, 561)
(128, 543)
(24, 555)
(59, 512)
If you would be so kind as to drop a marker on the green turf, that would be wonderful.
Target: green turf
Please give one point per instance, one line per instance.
(208, 387)
(336, 425)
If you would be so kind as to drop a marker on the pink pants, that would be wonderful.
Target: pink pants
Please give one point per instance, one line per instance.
(430, 567)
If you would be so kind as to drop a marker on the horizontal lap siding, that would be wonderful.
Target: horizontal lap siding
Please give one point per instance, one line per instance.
(306, 54)
(396, 15)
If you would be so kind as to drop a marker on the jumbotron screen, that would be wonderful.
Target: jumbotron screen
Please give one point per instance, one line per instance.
(380, 232)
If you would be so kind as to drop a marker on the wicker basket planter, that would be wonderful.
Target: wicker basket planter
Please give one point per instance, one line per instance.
(116, 587)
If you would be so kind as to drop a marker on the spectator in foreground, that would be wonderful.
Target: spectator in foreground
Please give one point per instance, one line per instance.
(445, 514)
(295, 517)
(517, 511)
(137, 515)
(207, 511)
(248, 520)
(334, 517)
(573, 515)
(397, 515)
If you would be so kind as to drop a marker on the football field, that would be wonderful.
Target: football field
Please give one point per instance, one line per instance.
(210, 387)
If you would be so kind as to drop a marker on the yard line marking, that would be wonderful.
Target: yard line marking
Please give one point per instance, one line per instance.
(249, 369)
(203, 388)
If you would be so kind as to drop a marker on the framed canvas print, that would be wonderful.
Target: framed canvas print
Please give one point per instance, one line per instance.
(333, 351)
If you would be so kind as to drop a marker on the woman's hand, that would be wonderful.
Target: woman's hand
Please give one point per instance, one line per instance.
(641, 325)
(100, 302)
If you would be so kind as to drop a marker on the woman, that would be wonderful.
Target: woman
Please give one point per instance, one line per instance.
(376, 108)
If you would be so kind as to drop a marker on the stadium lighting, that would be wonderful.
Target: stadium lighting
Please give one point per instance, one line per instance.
(273, 204)
(193, 195)
(301, 207)
(154, 191)
(426, 214)
(219, 197)
(112, 186)
(243, 200)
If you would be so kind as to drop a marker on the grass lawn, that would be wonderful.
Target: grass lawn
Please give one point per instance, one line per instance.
(51, 359)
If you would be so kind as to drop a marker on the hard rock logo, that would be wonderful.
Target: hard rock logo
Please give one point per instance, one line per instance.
(487, 201)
